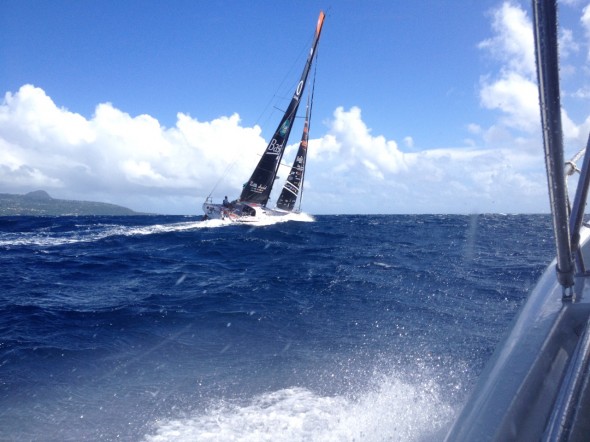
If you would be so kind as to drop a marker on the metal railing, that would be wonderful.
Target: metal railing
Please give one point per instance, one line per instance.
(546, 53)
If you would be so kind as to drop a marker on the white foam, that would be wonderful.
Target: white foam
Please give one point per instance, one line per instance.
(99, 232)
(263, 220)
(391, 411)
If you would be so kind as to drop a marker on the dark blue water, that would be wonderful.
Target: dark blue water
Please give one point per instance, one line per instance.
(339, 329)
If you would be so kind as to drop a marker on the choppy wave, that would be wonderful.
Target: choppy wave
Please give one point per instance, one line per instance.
(172, 328)
(394, 410)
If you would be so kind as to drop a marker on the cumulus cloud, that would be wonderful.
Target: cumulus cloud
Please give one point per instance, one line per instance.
(513, 89)
(517, 97)
(358, 169)
(135, 161)
(513, 40)
(114, 153)
(358, 148)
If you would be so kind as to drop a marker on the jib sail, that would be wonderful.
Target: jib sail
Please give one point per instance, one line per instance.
(294, 181)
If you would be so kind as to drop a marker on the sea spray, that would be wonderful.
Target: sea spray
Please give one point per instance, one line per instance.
(389, 410)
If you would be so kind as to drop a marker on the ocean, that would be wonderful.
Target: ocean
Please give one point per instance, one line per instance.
(329, 328)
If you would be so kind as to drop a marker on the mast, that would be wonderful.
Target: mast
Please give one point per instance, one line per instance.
(259, 186)
(294, 181)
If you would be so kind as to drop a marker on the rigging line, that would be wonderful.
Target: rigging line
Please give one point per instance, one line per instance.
(223, 176)
(281, 87)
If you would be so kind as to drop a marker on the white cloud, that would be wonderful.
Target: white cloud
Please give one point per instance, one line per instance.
(513, 41)
(359, 147)
(513, 91)
(134, 161)
(114, 155)
(582, 93)
(517, 97)
(369, 174)
(474, 128)
(567, 44)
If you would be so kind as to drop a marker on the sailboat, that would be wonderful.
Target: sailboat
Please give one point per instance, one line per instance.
(252, 203)
(537, 384)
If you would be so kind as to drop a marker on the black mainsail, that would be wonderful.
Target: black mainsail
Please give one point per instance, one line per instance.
(258, 188)
(294, 181)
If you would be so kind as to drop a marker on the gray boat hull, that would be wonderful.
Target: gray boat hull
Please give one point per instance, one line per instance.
(535, 387)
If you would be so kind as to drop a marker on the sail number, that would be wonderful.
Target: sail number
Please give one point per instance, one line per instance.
(298, 90)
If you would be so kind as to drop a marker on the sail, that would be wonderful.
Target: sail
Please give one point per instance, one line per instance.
(294, 181)
(259, 186)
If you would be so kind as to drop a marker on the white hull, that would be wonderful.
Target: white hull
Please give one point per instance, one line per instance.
(241, 213)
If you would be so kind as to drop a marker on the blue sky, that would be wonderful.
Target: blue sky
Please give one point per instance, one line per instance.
(420, 107)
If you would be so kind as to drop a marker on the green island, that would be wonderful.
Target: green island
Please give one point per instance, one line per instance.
(39, 203)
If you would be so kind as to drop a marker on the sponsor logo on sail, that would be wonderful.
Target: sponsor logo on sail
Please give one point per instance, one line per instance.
(274, 148)
(285, 127)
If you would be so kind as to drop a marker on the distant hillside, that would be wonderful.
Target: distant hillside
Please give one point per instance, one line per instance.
(39, 203)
